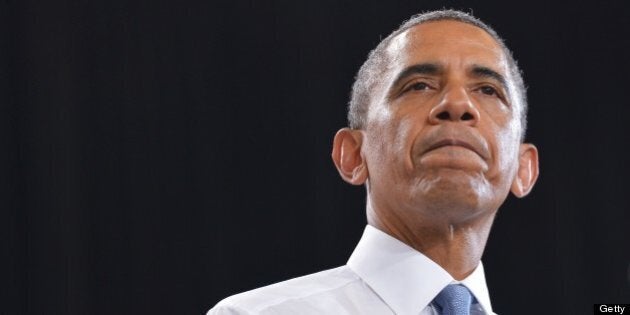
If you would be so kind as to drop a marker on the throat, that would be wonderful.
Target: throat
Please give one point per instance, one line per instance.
(453, 242)
(457, 249)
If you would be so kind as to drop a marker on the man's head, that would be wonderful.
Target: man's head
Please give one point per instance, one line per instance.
(437, 118)
(378, 61)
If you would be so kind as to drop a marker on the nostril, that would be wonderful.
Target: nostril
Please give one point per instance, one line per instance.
(443, 116)
(467, 116)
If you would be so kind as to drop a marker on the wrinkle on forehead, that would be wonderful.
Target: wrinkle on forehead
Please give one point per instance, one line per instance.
(422, 39)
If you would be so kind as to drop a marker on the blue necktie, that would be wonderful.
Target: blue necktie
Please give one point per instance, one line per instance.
(455, 299)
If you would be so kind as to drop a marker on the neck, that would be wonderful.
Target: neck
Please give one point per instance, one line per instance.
(456, 247)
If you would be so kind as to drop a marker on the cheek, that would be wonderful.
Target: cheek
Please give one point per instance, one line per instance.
(404, 135)
(508, 142)
(390, 141)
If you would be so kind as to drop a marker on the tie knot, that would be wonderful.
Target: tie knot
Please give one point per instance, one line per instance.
(455, 299)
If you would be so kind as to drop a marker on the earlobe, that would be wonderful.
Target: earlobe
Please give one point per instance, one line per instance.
(527, 172)
(346, 155)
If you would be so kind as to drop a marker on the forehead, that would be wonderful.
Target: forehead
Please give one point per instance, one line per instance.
(451, 43)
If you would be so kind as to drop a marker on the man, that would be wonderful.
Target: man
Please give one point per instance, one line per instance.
(437, 120)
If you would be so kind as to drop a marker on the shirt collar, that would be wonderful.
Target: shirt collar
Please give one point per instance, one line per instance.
(404, 278)
(476, 283)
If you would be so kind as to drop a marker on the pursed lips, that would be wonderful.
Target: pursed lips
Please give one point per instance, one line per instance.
(453, 142)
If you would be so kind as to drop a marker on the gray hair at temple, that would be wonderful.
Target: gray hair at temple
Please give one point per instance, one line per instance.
(377, 63)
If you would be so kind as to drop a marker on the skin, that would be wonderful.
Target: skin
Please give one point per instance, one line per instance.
(441, 149)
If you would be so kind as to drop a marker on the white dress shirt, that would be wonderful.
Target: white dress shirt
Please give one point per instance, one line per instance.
(383, 276)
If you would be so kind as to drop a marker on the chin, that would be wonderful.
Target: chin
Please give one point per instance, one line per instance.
(457, 196)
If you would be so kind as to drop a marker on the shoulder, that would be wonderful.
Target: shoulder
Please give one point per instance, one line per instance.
(290, 294)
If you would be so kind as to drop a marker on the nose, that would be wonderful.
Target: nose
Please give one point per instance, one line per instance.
(455, 106)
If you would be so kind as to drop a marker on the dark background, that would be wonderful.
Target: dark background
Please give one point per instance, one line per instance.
(158, 156)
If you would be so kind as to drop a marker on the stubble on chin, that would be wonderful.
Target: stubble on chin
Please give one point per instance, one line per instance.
(452, 196)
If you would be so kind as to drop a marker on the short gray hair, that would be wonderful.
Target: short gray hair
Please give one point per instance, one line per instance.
(376, 64)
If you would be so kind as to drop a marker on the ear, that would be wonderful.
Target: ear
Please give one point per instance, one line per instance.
(346, 155)
(527, 172)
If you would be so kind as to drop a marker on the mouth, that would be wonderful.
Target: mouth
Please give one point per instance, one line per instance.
(454, 143)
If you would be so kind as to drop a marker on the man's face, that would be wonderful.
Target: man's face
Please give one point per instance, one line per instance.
(442, 134)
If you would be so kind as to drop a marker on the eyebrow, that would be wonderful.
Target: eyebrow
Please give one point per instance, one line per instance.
(485, 72)
(434, 69)
(421, 68)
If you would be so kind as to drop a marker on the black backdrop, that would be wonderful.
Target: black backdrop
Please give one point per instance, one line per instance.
(159, 156)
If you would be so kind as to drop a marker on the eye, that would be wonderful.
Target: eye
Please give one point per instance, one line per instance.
(418, 86)
(488, 90)
(491, 91)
